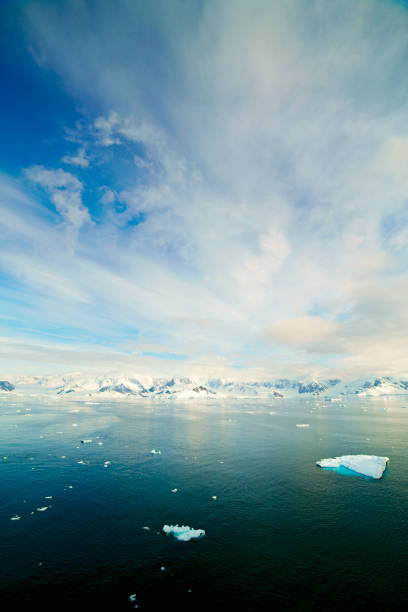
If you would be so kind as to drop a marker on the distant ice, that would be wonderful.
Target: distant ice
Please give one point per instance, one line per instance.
(183, 532)
(106, 464)
(367, 465)
(302, 425)
(42, 509)
(15, 518)
(155, 452)
(214, 497)
(174, 490)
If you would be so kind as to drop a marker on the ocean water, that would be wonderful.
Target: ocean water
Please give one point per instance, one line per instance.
(282, 534)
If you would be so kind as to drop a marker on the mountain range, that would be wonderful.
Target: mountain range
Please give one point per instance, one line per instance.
(121, 386)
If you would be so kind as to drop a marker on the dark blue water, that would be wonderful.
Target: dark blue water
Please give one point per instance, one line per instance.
(282, 533)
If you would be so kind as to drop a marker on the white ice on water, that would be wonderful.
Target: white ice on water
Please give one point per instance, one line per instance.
(183, 532)
(367, 465)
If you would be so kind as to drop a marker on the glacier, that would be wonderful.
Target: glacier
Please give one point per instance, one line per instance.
(366, 465)
(131, 386)
(183, 532)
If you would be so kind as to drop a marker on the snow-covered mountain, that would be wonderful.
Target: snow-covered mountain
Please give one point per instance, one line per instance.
(121, 386)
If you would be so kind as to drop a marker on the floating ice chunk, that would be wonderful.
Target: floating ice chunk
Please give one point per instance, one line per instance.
(183, 532)
(74, 425)
(43, 509)
(367, 465)
(15, 518)
(132, 597)
(106, 464)
(147, 528)
(155, 452)
(214, 497)
(300, 425)
(81, 462)
(48, 497)
(100, 443)
(174, 490)
(162, 568)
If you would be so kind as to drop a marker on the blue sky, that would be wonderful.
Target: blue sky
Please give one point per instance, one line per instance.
(204, 187)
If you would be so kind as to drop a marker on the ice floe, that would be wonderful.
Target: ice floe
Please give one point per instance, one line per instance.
(15, 518)
(301, 425)
(174, 490)
(183, 532)
(106, 464)
(155, 452)
(43, 509)
(367, 465)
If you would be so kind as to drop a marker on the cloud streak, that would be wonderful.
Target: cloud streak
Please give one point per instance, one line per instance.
(246, 193)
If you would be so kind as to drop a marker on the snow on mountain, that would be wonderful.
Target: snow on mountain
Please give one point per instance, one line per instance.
(117, 386)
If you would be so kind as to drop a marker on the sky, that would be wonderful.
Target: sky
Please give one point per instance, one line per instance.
(204, 188)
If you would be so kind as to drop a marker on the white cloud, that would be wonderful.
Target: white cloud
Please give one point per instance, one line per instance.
(65, 191)
(80, 159)
(302, 331)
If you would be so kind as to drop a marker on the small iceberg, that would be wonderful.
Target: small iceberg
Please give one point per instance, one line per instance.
(301, 425)
(183, 532)
(365, 465)
(155, 452)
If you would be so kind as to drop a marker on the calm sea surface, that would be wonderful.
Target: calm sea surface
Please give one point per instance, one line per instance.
(282, 534)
